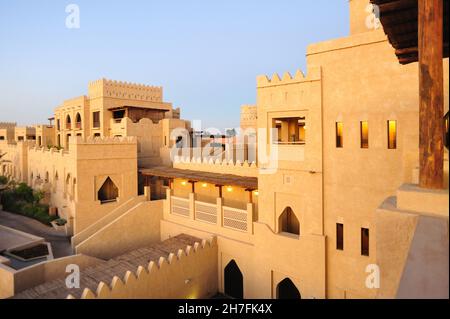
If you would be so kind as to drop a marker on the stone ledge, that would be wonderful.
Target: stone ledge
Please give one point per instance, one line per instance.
(411, 197)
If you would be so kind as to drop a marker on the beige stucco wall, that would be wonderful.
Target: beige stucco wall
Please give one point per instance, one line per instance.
(137, 228)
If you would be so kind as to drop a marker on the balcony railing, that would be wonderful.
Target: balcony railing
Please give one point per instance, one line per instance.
(289, 143)
(78, 125)
(213, 214)
(180, 206)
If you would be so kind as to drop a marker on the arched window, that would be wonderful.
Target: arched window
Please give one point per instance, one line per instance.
(68, 122)
(286, 289)
(288, 222)
(233, 281)
(78, 121)
(47, 177)
(108, 192)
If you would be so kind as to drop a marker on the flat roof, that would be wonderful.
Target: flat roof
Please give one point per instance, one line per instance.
(199, 176)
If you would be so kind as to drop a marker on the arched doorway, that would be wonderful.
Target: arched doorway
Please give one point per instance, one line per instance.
(288, 222)
(286, 289)
(234, 281)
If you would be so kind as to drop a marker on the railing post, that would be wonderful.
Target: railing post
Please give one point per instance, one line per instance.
(169, 199)
(219, 212)
(148, 193)
(250, 208)
(192, 206)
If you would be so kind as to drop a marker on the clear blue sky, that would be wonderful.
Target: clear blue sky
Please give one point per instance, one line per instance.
(205, 53)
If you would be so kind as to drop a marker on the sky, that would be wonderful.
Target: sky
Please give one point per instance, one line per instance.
(205, 53)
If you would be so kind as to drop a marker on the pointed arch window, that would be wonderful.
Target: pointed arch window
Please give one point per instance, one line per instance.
(78, 121)
(108, 192)
(288, 222)
(68, 122)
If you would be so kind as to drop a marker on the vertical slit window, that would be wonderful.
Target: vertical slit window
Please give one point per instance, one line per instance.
(339, 135)
(339, 236)
(364, 242)
(364, 127)
(392, 135)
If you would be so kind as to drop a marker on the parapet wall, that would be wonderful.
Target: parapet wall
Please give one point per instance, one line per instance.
(190, 273)
(314, 73)
(7, 124)
(217, 166)
(125, 90)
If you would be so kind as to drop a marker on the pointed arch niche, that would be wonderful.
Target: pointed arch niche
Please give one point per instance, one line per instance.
(109, 192)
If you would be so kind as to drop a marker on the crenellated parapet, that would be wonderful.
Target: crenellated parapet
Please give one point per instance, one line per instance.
(125, 90)
(149, 280)
(216, 166)
(7, 125)
(314, 74)
(91, 140)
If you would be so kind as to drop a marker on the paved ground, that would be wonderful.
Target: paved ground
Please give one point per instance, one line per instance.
(59, 241)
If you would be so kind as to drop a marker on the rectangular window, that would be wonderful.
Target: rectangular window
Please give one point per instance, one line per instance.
(2, 138)
(392, 135)
(97, 135)
(340, 236)
(58, 125)
(364, 242)
(339, 134)
(96, 119)
(364, 126)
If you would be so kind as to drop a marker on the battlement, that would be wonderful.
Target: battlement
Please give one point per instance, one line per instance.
(125, 90)
(78, 140)
(7, 125)
(216, 166)
(150, 280)
(314, 74)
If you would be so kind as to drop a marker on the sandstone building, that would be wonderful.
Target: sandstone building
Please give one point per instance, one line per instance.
(339, 206)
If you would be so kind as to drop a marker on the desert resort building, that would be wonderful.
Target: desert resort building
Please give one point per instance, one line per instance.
(329, 194)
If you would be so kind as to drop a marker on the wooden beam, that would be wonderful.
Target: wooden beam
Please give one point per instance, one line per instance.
(431, 87)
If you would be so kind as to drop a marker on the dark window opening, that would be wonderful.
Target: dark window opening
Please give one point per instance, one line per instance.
(286, 289)
(96, 134)
(78, 121)
(233, 281)
(339, 236)
(364, 242)
(339, 135)
(118, 115)
(96, 119)
(392, 135)
(108, 192)
(364, 128)
(289, 222)
(68, 122)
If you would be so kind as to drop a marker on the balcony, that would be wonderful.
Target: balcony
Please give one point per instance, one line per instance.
(213, 214)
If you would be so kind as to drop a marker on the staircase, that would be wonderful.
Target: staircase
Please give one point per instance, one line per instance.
(106, 271)
(116, 213)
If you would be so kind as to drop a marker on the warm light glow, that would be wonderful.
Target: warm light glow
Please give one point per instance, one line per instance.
(204, 185)
(256, 193)
(364, 134)
(184, 183)
(392, 135)
(339, 134)
(229, 189)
